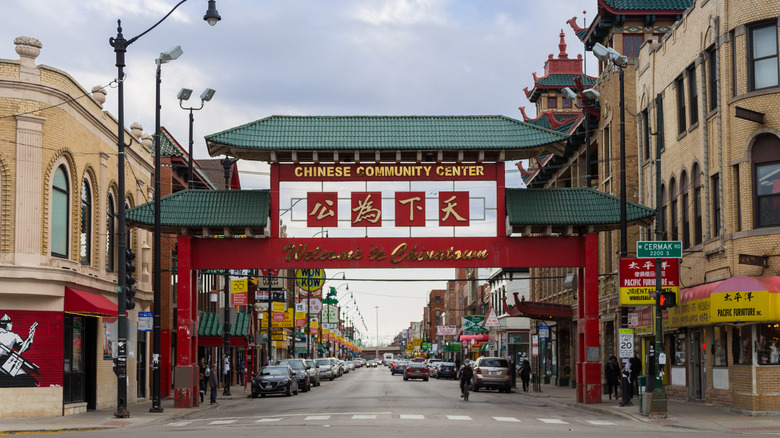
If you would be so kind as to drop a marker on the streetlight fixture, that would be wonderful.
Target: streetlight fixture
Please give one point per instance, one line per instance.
(120, 44)
(184, 94)
(227, 166)
(171, 55)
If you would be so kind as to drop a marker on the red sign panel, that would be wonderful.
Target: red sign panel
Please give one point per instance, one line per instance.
(31, 349)
(637, 280)
(322, 209)
(454, 209)
(410, 209)
(366, 209)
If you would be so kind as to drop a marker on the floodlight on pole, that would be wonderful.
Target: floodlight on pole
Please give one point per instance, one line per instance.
(182, 95)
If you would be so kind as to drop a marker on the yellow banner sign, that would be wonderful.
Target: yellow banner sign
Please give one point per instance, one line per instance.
(278, 307)
(690, 313)
(743, 306)
(238, 286)
(287, 323)
(278, 336)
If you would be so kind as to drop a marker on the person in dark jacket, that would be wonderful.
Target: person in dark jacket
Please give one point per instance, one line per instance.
(635, 364)
(214, 382)
(465, 373)
(612, 375)
(525, 374)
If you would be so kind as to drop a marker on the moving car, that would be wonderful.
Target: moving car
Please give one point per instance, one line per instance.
(299, 367)
(326, 368)
(416, 370)
(447, 370)
(314, 372)
(274, 380)
(398, 366)
(492, 373)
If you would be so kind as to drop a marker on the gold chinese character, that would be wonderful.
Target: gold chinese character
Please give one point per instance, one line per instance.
(412, 207)
(321, 211)
(366, 211)
(450, 210)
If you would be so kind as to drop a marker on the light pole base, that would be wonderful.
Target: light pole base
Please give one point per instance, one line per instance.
(156, 409)
(658, 404)
(122, 412)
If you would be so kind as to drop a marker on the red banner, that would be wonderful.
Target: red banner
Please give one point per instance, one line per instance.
(31, 349)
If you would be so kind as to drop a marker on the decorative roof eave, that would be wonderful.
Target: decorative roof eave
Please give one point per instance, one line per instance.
(534, 310)
(609, 17)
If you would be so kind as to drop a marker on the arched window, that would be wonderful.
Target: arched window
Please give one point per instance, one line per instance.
(673, 209)
(110, 235)
(697, 219)
(60, 194)
(766, 165)
(686, 218)
(85, 237)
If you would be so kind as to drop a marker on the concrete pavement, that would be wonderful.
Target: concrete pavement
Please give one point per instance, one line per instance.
(687, 415)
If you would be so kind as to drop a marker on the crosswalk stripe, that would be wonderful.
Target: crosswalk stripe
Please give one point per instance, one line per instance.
(265, 420)
(223, 422)
(316, 417)
(459, 417)
(412, 417)
(364, 417)
(600, 423)
(180, 423)
(506, 419)
(552, 421)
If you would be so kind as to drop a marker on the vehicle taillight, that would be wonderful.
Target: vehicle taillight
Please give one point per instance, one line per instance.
(425, 370)
(478, 370)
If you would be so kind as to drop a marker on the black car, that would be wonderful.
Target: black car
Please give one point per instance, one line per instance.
(446, 369)
(274, 380)
(299, 367)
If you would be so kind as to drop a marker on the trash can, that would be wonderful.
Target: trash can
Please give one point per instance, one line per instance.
(642, 386)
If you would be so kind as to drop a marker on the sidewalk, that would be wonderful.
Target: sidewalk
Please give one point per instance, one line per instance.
(685, 415)
(105, 419)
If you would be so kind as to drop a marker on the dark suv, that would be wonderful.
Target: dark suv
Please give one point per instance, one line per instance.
(492, 373)
(299, 368)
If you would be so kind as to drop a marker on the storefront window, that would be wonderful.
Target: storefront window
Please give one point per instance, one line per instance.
(768, 348)
(742, 345)
(719, 358)
(679, 349)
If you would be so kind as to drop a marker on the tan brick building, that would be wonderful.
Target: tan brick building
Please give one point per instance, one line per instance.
(708, 95)
(58, 273)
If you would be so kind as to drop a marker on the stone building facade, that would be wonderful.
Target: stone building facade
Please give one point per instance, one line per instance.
(58, 261)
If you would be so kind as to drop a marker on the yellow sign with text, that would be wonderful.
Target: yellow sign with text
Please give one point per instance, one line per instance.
(278, 307)
(744, 306)
(238, 286)
(288, 322)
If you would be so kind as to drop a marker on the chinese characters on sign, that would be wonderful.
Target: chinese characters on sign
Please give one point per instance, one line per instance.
(637, 280)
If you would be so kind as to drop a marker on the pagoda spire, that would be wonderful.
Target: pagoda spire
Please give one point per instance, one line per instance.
(562, 47)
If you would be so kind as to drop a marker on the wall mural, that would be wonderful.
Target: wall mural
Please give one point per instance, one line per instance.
(30, 348)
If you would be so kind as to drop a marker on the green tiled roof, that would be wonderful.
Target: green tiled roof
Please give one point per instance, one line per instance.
(382, 133)
(649, 5)
(210, 326)
(576, 206)
(196, 209)
(556, 81)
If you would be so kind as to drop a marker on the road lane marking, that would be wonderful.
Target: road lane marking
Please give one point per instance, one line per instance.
(223, 422)
(552, 421)
(412, 417)
(459, 417)
(180, 423)
(265, 420)
(364, 417)
(506, 419)
(600, 423)
(316, 417)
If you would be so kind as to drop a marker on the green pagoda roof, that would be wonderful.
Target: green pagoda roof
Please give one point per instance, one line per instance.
(191, 211)
(567, 210)
(649, 5)
(385, 138)
(210, 325)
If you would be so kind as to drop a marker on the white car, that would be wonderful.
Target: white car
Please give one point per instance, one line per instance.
(326, 368)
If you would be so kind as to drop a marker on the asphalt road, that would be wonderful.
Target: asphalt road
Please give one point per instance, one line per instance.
(370, 402)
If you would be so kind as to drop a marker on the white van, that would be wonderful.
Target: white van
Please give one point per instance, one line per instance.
(387, 357)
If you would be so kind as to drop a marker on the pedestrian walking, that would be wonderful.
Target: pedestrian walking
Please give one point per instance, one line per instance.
(612, 375)
(226, 375)
(525, 374)
(241, 371)
(636, 370)
(213, 382)
(202, 382)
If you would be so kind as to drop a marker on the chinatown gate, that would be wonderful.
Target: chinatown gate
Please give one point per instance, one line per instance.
(436, 184)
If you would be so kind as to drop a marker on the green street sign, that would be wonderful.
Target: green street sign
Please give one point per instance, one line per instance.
(659, 249)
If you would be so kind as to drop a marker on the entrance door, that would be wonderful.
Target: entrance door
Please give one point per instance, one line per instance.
(697, 367)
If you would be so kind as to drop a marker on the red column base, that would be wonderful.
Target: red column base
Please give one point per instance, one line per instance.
(186, 393)
(589, 382)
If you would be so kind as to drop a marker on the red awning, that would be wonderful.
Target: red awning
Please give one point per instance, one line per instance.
(733, 284)
(79, 301)
(476, 338)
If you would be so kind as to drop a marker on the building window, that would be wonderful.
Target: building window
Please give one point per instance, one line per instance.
(697, 214)
(631, 44)
(110, 235)
(85, 236)
(673, 209)
(762, 56)
(552, 102)
(768, 351)
(719, 347)
(73, 380)
(437, 300)
(645, 117)
(766, 161)
(680, 84)
(679, 356)
(712, 66)
(686, 222)
(693, 95)
(716, 208)
(59, 213)
(579, 102)
(438, 317)
(742, 345)
(566, 102)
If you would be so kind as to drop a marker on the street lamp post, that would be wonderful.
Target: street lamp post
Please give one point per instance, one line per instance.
(170, 55)
(227, 166)
(120, 44)
(184, 94)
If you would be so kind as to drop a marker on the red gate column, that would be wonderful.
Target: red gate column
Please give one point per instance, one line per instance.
(588, 355)
(186, 373)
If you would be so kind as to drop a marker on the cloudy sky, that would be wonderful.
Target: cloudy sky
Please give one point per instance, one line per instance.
(309, 57)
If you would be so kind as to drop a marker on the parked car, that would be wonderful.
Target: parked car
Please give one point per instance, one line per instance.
(314, 371)
(337, 368)
(299, 367)
(416, 370)
(398, 366)
(344, 367)
(326, 368)
(275, 380)
(446, 370)
(492, 372)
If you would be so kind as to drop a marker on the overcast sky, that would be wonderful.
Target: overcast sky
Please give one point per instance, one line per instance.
(309, 57)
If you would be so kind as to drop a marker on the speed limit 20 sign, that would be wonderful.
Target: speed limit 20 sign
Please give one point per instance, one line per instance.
(626, 340)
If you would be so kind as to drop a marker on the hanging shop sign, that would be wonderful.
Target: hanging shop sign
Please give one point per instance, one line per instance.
(310, 280)
(637, 280)
(473, 324)
(759, 305)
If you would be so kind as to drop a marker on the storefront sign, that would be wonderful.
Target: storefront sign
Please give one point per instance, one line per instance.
(689, 313)
(637, 280)
(310, 280)
(743, 306)
(389, 172)
(473, 324)
(447, 330)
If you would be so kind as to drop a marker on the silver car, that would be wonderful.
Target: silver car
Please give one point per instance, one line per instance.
(314, 372)
(326, 368)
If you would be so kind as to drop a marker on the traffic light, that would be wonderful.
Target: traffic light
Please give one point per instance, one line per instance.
(129, 278)
(666, 300)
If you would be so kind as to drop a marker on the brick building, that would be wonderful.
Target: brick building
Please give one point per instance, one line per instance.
(708, 95)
